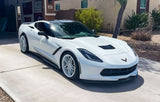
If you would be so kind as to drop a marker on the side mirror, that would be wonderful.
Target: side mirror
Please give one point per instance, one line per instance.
(43, 34)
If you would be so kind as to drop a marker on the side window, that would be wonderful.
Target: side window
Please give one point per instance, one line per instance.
(46, 29)
(41, 26)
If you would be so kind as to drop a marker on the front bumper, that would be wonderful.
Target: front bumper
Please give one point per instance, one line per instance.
(93, 73)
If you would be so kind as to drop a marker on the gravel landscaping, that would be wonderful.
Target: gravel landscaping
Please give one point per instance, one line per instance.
(4, 97)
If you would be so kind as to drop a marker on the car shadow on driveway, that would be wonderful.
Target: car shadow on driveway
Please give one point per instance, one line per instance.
(111, 87)
(101, 87)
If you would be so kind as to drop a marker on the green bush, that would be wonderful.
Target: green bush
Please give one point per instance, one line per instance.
(155, 14)
(90, 17)
(136, 21)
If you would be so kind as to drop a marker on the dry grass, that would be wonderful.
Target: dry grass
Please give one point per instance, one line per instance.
(141, 35)
(145, 49)
(4, 97)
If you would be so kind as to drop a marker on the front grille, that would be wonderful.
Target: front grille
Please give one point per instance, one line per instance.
(117, 72)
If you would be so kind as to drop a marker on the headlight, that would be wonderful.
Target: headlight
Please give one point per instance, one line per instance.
(133, 50)
(89, 55)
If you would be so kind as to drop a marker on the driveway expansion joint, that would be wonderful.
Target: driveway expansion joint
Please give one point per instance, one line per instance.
(6, 71)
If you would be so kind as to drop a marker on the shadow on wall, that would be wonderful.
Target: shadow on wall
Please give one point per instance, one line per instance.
(8, 35)
(149, 65)
(101, 87)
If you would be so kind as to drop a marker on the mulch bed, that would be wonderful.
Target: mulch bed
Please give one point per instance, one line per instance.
(146, 49)
(4, 97)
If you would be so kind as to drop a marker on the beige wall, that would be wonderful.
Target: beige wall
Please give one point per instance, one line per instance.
(109, 8)
(153, 4)
(130, 8)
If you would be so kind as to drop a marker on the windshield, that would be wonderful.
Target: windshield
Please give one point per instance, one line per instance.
(70, 30)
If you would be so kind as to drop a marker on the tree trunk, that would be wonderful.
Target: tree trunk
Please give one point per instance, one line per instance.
(119, 20)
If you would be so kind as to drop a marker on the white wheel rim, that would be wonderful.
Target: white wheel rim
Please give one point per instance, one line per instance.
(68, 65)
(23, 44)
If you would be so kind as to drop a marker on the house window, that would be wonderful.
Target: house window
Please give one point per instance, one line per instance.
(58, 7)
(27, 8)
(84, 3)
(142, 6)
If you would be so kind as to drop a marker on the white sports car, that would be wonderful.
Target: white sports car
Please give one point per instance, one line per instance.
(78, 51)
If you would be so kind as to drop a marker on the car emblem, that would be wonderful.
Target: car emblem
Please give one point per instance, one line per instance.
(125, 60)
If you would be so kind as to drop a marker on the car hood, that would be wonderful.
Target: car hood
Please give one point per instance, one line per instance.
(92, 44)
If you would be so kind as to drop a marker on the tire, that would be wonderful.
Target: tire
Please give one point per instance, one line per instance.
(24, 44)
(69, 66)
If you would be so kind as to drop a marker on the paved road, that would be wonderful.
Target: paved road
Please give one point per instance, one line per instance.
(26, 78)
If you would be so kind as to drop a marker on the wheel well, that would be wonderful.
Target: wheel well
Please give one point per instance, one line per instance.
(64, 53)
(22, 34)
(25, 37)
(76, 61)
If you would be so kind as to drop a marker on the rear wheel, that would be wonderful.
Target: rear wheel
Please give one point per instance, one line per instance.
(24, 44)
(69, 65)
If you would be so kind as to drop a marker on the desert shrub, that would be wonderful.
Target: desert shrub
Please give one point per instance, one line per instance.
(90, 17)
(136, 21)
(155, 14)
(141, 34)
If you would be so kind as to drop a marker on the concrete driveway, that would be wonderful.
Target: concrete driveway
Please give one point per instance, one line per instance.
(26, 78)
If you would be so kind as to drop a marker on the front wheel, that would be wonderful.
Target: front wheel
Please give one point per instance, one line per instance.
(24, 44)
(69, 65)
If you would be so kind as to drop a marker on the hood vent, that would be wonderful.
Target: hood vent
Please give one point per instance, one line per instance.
(107, 47)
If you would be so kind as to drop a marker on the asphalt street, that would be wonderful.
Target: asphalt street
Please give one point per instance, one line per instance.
(27, 78)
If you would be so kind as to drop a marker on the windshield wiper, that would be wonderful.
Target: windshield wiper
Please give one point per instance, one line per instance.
(96, 36)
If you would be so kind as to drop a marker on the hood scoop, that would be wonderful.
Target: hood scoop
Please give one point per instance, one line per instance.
(107, 47)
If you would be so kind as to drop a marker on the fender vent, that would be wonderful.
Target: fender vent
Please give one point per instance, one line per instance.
(107, 47)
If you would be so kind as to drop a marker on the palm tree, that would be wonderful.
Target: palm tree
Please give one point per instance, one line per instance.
(123, 4)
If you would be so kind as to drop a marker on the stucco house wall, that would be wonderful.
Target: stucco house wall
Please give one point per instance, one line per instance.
(109, 8)
(154, 4)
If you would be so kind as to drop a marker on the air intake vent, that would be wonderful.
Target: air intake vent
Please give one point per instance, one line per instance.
(107, 47)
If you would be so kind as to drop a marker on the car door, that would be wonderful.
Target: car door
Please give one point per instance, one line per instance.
(33, 37)
(47, 47)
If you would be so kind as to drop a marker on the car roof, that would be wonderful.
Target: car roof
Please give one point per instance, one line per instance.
(61, 21)
(56, 21)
